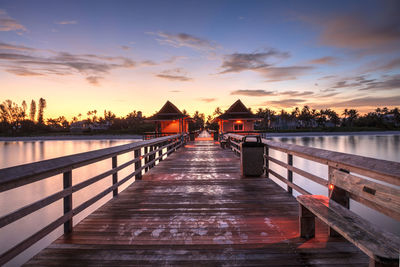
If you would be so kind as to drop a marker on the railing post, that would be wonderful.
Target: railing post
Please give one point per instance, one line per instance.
(169, 147)
(154, 155)
(146, 158)
(151, 157)
(239, 148)
(266, 161)
(67, 183)
(138, 164)
(160, 152)
(115, 175)
(338, 195)
(289, 172)
(182, 143)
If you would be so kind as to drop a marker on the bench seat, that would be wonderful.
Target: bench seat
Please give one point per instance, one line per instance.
(381, 246)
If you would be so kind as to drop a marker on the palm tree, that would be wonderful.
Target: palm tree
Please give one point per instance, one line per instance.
(42, 106)
(217, 111)
(296, 112)
(32, 112)
(353, 114)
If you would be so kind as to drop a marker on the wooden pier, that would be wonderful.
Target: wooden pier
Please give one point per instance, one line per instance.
(194, 209)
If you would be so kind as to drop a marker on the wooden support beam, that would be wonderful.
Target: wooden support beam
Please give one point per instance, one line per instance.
(266, 161)
(289, 172)
(146, 158)
(338, 195)
(306, 223)
(160, 152)
(67, 183)
(115, 175)
(138, 164)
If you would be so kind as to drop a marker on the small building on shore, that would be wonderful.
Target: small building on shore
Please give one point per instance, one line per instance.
(170, 120)
(238, 118)
(88, 126)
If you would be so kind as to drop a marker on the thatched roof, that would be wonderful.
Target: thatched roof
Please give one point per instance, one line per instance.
(168, 112)
(238, 111)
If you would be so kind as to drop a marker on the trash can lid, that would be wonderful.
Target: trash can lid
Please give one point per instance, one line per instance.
(256, 139)
(256, 142)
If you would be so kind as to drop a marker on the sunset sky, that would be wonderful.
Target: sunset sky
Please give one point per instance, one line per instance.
(136, 55)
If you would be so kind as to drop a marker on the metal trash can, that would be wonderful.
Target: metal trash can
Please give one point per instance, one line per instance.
(251, 156)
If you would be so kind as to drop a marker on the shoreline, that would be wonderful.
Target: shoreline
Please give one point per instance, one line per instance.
(316, 134)
(72, 137)
(136, 137)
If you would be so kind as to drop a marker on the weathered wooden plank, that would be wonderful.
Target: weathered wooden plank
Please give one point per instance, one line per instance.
(384, 170)
(383, 198)
(289, 172)
(292, 185)
(27, 173)
(301, 172)
(179, 214)
(28, 209)
(114, 164)
(376, 243)
(67, 201)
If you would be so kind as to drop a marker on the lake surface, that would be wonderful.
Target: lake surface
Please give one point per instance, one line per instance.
(15, 153)
(22, 152)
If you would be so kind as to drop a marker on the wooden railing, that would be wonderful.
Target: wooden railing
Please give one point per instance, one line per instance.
(18, 176)
(254, 132)
(152, 135)
(337, 162)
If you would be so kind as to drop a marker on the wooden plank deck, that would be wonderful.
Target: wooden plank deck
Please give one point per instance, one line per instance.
(194, 209)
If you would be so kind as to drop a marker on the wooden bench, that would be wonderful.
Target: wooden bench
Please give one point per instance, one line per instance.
(381, 246)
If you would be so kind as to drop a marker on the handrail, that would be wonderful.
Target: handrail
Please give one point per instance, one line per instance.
(152, 135)
(384, 170)
(378, 169)
(27, 173)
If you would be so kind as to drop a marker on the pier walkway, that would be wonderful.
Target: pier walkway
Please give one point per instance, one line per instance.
(193, 208)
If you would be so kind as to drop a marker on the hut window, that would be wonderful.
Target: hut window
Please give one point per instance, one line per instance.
(238, 126)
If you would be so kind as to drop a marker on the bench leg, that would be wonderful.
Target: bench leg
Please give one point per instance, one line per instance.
(306, 223)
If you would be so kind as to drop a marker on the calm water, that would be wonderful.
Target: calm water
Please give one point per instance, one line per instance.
(16, 153)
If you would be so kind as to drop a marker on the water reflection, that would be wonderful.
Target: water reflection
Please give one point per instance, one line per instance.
(17, 153)
(376, 146)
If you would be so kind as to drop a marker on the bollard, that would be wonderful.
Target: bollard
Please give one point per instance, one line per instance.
(252, 156)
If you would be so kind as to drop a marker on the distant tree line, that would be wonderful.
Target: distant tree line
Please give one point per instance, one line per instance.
(380, 118)
(19, 120)
(307, 118)
(14, 118)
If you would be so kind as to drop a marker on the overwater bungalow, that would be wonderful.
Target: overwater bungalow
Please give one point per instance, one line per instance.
(170, 120)
(238, 118)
